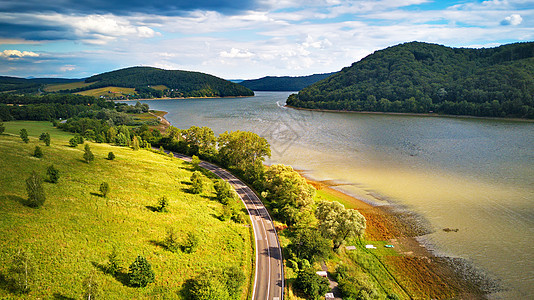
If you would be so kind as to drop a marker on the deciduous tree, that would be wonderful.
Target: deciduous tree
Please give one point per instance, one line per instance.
(88, 155)
(197, 185)
(338, 223)
(34, 187)
(24, 135)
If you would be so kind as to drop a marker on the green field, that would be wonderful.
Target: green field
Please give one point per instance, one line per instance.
(72, 234)
(109, 91)
(66, 86)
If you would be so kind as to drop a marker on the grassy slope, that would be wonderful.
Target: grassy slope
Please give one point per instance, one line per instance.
(115, 91)
(74, 231)
(65, 86)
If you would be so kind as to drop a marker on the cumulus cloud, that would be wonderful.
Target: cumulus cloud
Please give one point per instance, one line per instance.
(16, 54)
(513, 19)
(236, 53)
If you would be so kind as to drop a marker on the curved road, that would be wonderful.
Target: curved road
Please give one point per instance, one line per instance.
(268, 277)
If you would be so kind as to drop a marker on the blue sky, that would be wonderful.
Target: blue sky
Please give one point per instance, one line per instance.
(238, 39)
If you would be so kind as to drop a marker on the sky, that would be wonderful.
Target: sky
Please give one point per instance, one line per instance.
(238, 39)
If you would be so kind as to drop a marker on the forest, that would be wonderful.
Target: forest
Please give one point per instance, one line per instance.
(420, 77)
(284, 83)
(177, 83)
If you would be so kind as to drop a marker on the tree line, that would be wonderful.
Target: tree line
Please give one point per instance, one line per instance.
(420, 78)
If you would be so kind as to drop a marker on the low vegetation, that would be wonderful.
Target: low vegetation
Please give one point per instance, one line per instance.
(71, 230)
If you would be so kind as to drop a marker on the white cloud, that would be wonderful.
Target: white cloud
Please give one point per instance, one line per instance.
(236, 53)
(16, 54)
(513, 19)
(66, 68)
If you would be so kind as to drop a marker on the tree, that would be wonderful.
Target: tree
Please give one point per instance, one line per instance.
(73, 142)
(91, 289)
(24, 135)
(171, 241)
(135, 143)
(197, 185)
(2, 127)
(195, 161)
(224, 191)
(45, 137)
(163, 204)
(338, 223)
(104, 189)
(208, 286)
(312, 285)
(53, 174)
(79, 138)
(22, 270)
(113, 266)
(111, 156)
(140, 272)
(88, 156)
(191, 242)
(200, 140)
(34, 187)
(309, 244)
(38, 152)
(289, 194)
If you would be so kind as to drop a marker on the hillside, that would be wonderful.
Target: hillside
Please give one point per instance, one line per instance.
(420, 78)
(285, 83)
(72, 234)
(152, 82)
(23, 85)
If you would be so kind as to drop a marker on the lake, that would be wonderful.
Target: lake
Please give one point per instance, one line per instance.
(474, 175)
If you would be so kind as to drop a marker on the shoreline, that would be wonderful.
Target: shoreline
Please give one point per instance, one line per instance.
(417, 261)
(430, 115)
(180, 98)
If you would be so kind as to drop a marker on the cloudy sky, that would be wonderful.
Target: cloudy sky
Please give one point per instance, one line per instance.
(239, 39)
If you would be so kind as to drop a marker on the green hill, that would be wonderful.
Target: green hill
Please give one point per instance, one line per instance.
(420, 77)
(285, 83)
(23, 85)
(71, 235)
(153, 82)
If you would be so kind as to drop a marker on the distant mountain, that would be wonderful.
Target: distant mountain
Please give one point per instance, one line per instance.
(134, 82)
(23, 85)
(420, 77)
(285, 83)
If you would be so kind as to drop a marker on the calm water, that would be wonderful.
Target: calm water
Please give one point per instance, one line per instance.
(474, 175)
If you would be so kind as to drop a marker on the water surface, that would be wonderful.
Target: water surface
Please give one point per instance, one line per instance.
(476, 175)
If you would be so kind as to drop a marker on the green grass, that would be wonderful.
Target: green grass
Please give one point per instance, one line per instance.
(115, 92)
(66, 86)
(74, 231)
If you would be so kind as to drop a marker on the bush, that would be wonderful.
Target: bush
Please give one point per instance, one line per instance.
(22, 271)
(113, 266)
(163, 204)
(79, 138)
(195, 161)
(191, 243)
(38, 152)
(53, 174)
(34, 187)
(111, 156)
(73, 142)
(24, 135)
(2, 127)
(104, 189)
(88, 155)
(197, 183)
(140, 272)
(171, 241)
(313, 286)
(45, 137)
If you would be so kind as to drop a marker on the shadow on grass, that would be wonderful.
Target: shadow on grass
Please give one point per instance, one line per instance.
(121, 276)
(62, 297)
(9, 284)
(152, 208)
(14, 198)
(97, 194)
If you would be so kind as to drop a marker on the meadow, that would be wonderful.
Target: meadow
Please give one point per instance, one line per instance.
(72, 234)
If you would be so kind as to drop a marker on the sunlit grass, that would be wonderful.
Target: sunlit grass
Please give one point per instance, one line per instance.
(76, 228)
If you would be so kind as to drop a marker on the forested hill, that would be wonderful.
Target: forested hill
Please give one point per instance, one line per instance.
(173, 83)
(285, 83)
(421, 77)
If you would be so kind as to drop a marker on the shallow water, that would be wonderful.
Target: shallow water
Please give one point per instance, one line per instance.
(471, 174)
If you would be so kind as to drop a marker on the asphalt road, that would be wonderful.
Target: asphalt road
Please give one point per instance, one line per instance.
(268, 278)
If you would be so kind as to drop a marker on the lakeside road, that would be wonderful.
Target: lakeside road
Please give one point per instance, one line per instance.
(269, 273)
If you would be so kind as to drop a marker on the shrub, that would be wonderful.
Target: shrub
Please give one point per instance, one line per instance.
(312, 285)
(195, 161)
(140, 272)
(191, 243)
(111, 156)
(2, 127)
(24, 135)
(88, 155)
(53, 174)
(79, 138)
(113, 266)
(22, 271)
(73, 142)
(197, 183)
(135, 143)
(34, 187)
(104, 189)
(45, 137)
(163, 204)
(38, 152)
(171, 241)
